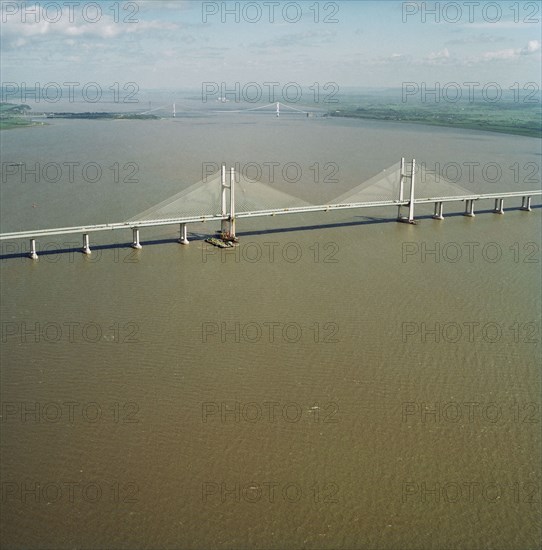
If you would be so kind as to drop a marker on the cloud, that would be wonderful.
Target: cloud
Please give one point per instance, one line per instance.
(433, 58)
(164, 4)
(502, 25)
(381, 60)
(301, 39)
(532, 47)
(398, 58)
(437, 58)
(446, 58)
(43, 26)
(481, 38)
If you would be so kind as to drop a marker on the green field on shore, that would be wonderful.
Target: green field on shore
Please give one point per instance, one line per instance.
(508, 116)
(18, 116)
(14, 116)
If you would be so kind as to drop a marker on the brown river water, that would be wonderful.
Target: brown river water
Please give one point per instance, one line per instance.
(338, 381)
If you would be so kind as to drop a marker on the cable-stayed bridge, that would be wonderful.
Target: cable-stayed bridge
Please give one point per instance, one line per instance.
(229, 196)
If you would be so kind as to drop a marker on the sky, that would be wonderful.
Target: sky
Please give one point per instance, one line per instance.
(182, 44)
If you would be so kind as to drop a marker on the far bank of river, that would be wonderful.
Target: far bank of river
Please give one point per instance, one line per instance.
(514, 120)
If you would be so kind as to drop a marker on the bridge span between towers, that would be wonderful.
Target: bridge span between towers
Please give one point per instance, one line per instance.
(229, 197)
(276, 106)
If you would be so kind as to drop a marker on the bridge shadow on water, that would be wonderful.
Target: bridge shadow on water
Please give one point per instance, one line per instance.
(361, 220)
(200, 237)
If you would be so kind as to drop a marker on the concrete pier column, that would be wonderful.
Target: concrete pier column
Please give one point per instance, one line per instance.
(232, 202)
(33, 254)
(526, 203)
(401, 186)
(86, 245)
(499, 206)
(411, 203)
(469, 208)
(135, 238)
(438, 211)
(184, 234)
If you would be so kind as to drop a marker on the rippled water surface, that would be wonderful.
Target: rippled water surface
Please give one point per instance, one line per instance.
(290, 393)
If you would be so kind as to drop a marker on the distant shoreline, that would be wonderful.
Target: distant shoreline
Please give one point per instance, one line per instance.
(424, 118)
(19, 116)
(484, 126)
(19, 123)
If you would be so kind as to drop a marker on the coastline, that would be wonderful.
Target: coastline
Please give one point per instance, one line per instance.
(429, 119)
(483, 127)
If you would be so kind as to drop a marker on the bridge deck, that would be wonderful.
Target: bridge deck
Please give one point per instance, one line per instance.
(33, 234)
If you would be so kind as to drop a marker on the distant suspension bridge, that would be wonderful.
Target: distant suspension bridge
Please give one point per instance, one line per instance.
(276, 106)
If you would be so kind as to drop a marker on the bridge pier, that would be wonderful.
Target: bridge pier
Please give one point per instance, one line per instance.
(469, 208)
(437, 215)
(526, 203)
(135, 238)
(33, 254)
(183, 234)
(499, 206)
(86, 245)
